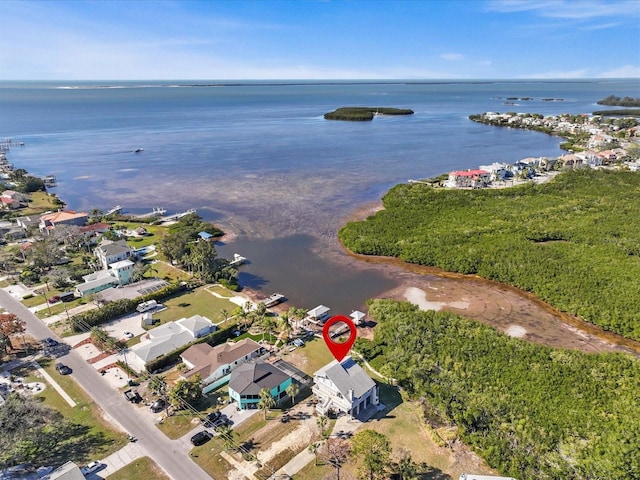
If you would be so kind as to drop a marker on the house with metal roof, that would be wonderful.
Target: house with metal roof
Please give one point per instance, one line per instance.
(169, 337)
(109, 252)
(248, 380)
(215, 364)
(119, 273)
(345, 387)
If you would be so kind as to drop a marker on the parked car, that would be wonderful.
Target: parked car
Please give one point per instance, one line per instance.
(63, 369)
(50, 342)
(54, 299)
(91, 468)
(201, 438)
(211, 418)
(158, 405)
(132, 396)
(128, 334)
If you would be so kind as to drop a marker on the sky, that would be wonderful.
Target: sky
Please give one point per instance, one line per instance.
(319, 39)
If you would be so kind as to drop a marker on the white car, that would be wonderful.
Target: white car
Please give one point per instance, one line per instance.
(128, 334)
(91, 468)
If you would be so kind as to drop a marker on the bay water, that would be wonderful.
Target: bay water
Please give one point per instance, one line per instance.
(258, 158)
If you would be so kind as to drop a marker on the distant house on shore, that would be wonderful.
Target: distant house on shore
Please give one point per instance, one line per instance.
(50, 221)
(468, 179)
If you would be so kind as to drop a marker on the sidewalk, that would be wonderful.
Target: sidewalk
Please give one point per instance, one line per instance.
(119, 459)
(55, 385)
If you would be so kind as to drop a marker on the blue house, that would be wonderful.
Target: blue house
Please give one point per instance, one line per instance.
(249, 379)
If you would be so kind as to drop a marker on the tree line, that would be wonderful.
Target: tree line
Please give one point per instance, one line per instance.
(574, 242)
(529, 410)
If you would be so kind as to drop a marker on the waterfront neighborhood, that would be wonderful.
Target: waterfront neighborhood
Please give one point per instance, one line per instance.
(184, 371)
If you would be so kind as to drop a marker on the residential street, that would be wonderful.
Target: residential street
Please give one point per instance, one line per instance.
(171, 455)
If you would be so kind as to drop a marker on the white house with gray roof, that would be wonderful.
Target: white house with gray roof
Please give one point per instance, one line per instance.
(344, 387)
(109, 252)
(167, 338)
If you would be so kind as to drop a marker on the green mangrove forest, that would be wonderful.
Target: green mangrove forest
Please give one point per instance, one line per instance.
(359, 114)
(574, 241)
(531, 411)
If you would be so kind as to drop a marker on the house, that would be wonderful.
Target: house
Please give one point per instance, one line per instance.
(26, 222)
(248, 380)
(49, 221)
(468, 179)
(12, 200)
(119, 273)
(215, 364)
(67, 471)
(318, 314)
(344, 387)
(109, 252)
(95, 229)
(168, 337)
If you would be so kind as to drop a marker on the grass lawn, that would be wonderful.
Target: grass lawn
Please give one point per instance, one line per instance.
(220, 290)
(164, 270)
(105, 440)
(208, 457)
(141, 469)
(182, 422)
(198, 301)
(39, 203)
(309, 358)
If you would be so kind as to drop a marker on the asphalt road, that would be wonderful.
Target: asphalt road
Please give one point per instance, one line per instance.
(171, 455)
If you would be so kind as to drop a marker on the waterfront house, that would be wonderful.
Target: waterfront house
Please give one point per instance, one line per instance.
(119, 273)
(50, 221)
(345, 387)
(27, 222)
(215, 364)
(468, 179)
(109, 252)
(168, 337)
(248, 380)
(12, 200)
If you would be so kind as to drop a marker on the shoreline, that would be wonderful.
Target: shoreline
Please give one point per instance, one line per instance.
(574, 325)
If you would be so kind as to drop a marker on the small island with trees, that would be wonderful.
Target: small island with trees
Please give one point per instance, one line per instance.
(360, 114)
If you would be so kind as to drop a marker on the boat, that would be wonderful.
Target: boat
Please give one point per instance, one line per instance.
(138, 150)
(237, 260)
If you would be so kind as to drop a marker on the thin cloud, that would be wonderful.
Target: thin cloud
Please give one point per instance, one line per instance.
(626, 71)
(452, 56)
(574, 9)
(578, 73)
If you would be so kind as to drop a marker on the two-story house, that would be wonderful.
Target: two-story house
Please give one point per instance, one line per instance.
(109, 252)
(215, 364)
(248, 380)
(345, 387)
(49, 221)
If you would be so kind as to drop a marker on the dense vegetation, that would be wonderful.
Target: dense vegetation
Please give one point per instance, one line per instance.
(574, 242)
(531, 411)
(629, 112)
(364, 113)
(620, 102)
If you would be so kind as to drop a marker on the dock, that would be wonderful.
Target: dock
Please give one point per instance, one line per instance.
(176, 216)
(115, 209)
(273, 300)
(156, 212)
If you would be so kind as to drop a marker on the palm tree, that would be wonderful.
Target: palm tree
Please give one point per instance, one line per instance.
(322, 421)
(313, 448)
(267, 402)
(228, 436)
(292, 390)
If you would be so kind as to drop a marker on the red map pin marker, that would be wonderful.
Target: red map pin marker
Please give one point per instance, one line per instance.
(339, 350)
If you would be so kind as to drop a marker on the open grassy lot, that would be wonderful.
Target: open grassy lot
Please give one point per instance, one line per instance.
(166, 271)
(182, 421)
(309, 358)
(141, 469)
(40, 202)
(220, 290)
(198, 301)
(104, 440)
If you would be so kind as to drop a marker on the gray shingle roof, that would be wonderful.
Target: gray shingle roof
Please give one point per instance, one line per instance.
(250, 378)
(347, 375)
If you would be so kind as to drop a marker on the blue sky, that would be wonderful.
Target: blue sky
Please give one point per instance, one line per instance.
(319, 39)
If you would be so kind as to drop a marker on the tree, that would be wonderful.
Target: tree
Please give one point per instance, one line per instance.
(405, 468)
(228, 436)
(373, 452)
(335, 452)
(174, 246)
(186, 391)
(158, 385)
(292, 390)
(313, 448)
(267, 402)
(10, 324)
(322, 422)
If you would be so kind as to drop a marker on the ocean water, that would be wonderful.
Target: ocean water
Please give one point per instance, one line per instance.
(260, 160)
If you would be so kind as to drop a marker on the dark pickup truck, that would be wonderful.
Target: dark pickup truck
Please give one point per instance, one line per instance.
(133, 396)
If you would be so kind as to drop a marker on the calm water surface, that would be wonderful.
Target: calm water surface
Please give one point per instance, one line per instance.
(260, 160)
